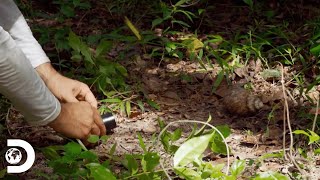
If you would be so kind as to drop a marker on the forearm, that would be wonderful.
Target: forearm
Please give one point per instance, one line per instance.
(21, 84)
(46, 72)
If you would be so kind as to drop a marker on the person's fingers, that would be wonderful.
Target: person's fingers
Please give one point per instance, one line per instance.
(84, 94)
(95, 130)
(70, 99)
(98, 121)
(89, 97)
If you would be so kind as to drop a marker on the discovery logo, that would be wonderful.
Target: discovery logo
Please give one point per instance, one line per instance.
(13, 156)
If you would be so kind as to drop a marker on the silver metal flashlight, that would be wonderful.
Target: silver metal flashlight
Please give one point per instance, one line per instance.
(109, 121)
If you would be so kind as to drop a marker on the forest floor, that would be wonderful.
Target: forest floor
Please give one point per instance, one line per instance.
(183, 90)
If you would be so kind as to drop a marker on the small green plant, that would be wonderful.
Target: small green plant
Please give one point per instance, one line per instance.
(71, 161)
(106, 74)
(169, 14)
(312, 136)
(188, 160)
(68, 7)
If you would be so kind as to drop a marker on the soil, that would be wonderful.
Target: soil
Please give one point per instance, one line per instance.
(183, 90)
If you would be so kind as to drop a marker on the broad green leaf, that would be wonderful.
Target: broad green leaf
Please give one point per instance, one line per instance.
(93, 138)
(50, 153)
(67, 11)
(104, 138)
(156, 22)
(165, 140)
(131, 164)
(315, 50)
(99, 172)
(218, 146)
(271, 155)
(106, 164)
(207, 170)
(142, 145)
(179, 3)
(74, 41)
(302, 152)
(77, 45)
(161, 124)
(141, 106)
(214, 170)
(191, 150)
(76, 57)
(128, 108)
(238, 167)
(180, 22)
(173, 149)
(218, 81)
(111, 93)
(200, 11)
(270, 176)
(176, 135)
(186, 13)
(187, 173)
(153, 104)
(72, 148)
(300, 132)
(313, 137)
(214, 38)
(121, 69)
(132, 28)
(200, 131)
(89, 155)
(113, 149)
(150, 161)
(316, 151)
(85, 51)
(103, 47)
(224, 130)
(193, 44)
(170, 46)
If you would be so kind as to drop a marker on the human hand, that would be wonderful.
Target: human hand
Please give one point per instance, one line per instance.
(65, 89)
(78, 120)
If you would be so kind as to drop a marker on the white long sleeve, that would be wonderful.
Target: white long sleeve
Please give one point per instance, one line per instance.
(12, 20)
(19, 81)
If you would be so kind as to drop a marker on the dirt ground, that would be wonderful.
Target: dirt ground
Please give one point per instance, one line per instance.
(253, 134)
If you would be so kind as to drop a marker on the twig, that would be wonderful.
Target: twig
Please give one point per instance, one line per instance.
(284, 134)
(192, 121)
(82, 145)
(316, 116)
(287, 117)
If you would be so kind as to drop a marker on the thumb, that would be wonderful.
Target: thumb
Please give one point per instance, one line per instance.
(70, 98)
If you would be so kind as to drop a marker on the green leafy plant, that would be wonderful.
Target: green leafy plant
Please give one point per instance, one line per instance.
(188, 163)
(107, 75)
(313, 137)
(68, 7)
(71, 161)
(169, 13)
